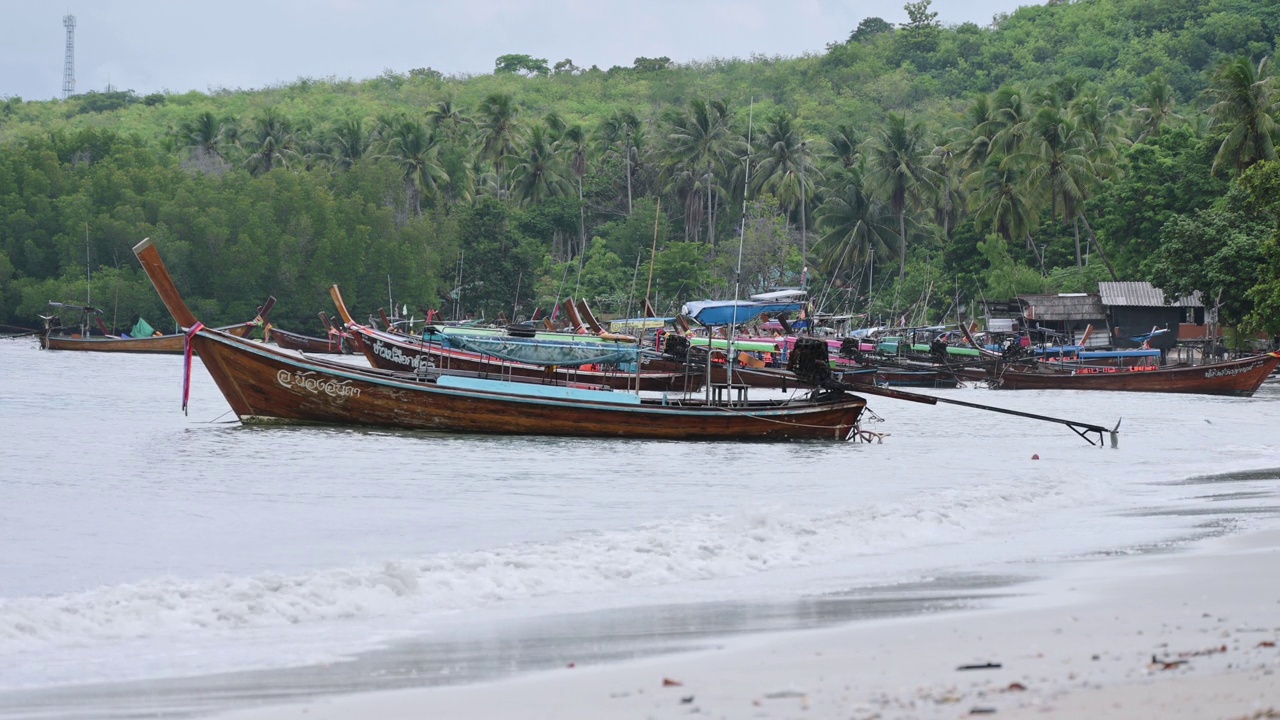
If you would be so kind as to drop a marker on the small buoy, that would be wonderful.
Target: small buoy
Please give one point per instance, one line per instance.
(1035, 456)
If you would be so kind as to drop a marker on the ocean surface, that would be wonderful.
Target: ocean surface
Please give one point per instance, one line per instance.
(160, 565)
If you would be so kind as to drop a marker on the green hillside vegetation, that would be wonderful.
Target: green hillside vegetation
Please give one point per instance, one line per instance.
(911, 170)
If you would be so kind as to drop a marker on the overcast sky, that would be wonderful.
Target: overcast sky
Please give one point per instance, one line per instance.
(178, 45)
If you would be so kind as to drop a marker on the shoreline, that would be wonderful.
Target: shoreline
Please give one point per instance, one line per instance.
(1189, 634)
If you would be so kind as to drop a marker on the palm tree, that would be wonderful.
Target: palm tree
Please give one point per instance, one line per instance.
(538, 172)
(204, 134)
(1098, 120)
(843, 147)
(1244, 103)
(413, 149)
(348, 142)
(1000, 199)
(1059, 167)
(447, 120)
(499, 131)
(702, 142)
(1155, 109)
(1004, 129)
(384, 126)
(573, 142)
(619, 129)
(272, 141)
(853, 222)
(947, 160)
(684, 184)
(785, 168)
(899, 173)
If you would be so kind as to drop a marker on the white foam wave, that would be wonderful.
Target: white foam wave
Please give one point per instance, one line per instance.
(693, 549)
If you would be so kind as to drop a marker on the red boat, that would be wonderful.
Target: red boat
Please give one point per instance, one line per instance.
(1235, 377)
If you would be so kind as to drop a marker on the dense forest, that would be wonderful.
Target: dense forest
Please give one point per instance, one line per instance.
(903, 171)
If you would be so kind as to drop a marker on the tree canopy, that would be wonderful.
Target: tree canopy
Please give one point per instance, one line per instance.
(1060, 144)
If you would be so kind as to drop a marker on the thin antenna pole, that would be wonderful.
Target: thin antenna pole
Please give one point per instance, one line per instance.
(390, 305)
(653, 252)
(804, 232)
(516, 302)
(563, 276)
(631, 295)
(742, 239)
(628, 151)
(462, 255)
(88, 274)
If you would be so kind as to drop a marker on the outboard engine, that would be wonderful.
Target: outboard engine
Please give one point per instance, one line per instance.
(849, 348)
(1013, 351)
(811, 362)
(938, 349)
(675, 346)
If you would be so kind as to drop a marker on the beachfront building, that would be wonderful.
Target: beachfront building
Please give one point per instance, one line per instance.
(1136, 309)
(1071, 318)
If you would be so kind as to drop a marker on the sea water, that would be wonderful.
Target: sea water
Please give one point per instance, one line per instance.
(153, 563)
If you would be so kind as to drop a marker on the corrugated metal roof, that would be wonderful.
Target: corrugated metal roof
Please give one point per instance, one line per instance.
(1141, 294)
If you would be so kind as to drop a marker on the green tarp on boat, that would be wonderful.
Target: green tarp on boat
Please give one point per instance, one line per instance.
(141, 329)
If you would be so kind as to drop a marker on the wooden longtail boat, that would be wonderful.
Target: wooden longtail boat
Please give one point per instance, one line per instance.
(1236, 377)
(775, 378)
(163, 344)
(265, 385)
(333, 345)
(397, 351)
(900, 377)
(155, 344)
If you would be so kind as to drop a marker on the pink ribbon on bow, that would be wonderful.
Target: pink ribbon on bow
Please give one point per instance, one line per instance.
(186, 372)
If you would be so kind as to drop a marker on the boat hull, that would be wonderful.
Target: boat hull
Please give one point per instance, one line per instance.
(389, 351)
(157, 344)
(889, 377)
(1237, 377)
(306, 343)
(264, 385)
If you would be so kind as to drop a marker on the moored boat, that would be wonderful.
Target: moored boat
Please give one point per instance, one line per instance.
(154, 344)
(332, 345)
(398, 351)
(265, 385)
(1235, 377)
(161, 344)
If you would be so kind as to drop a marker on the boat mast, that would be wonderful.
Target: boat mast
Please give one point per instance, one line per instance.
(631, 295)
(652, 254)
(742, 237)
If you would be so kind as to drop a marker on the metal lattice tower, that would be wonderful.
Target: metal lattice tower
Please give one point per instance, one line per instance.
(69, 66)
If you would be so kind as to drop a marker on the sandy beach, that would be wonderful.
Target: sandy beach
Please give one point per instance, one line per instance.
(1186, 634)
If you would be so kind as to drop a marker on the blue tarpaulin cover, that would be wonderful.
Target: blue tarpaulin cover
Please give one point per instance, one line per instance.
(728, 312)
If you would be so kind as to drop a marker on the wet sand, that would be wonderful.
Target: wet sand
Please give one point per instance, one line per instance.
(1190, 634)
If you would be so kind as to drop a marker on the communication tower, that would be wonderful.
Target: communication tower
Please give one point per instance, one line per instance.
(69, 66)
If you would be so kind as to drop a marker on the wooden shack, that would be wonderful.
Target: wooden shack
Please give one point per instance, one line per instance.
(1135, 309)
(1067, 316)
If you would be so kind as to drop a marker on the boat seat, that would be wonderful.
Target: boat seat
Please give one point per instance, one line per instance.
(730, 393)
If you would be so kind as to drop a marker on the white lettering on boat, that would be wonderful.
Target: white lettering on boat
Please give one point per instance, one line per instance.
(318, 386)
(1215, 373)
(395, 355)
